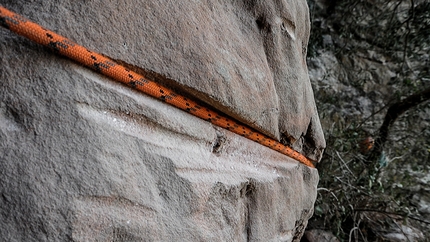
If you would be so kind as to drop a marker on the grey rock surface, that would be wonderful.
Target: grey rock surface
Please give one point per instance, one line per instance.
(83, 158)
(229, 54)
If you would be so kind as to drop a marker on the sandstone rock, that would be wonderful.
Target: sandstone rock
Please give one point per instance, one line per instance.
(86, 159)
(228, 54)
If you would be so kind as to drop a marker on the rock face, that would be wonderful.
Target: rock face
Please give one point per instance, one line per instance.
(86, 159)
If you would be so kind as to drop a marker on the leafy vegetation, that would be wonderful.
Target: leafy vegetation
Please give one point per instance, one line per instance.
(368, 190)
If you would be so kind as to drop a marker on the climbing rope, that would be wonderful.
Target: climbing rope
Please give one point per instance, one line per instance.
(108, 67)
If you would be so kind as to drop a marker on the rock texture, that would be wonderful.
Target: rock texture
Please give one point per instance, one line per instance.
(86, 159)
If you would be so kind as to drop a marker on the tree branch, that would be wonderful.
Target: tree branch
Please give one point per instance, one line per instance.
(394, 111)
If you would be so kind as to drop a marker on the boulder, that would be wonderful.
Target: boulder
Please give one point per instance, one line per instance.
(84, 158)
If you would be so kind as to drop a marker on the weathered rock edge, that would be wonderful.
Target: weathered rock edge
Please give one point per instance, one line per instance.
(78, 165)
(86, 159)
(244, 58)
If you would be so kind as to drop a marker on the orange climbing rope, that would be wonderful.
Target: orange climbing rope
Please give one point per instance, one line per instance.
(108, 67)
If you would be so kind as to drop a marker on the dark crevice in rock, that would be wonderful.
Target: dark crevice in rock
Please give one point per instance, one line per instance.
(300, 226)
(309, 144)
(248, 193)
(262, 24)
(287, 140)
(218, 144)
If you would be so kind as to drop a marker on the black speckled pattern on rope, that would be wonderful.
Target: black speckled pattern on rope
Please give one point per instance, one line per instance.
(110, 68)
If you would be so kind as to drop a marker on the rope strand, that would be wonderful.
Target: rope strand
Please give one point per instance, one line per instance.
(110, 68)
